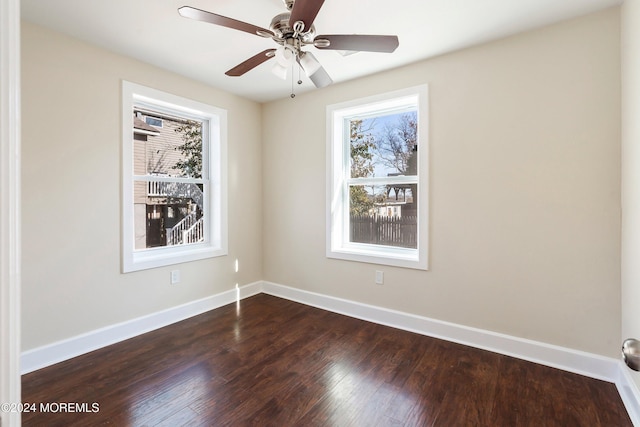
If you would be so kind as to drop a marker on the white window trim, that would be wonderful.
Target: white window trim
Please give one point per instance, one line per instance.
(215, 199)
(337, 244)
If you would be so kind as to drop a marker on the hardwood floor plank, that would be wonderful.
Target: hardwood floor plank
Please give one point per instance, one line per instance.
(185, 418)
(271, 362)
(153, 401)
(470, 391)
(511, 382)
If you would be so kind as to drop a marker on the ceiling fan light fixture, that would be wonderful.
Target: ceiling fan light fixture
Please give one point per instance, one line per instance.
(285, 56)
(279, 71)
(321, 78)
(309, 64)
(318, 75)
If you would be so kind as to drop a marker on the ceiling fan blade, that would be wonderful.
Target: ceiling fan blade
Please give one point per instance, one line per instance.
(305, 11)
(358, 42)
(251, 63)
(212, 18)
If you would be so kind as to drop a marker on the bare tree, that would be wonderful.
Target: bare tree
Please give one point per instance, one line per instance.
(156, 162)
(397, 143)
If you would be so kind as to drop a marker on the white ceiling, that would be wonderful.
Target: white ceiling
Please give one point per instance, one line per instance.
(153, 32)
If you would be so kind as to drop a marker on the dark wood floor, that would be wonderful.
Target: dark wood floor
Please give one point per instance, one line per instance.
(273, 362)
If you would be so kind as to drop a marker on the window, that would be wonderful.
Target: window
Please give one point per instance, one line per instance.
(377, 191)
(154, 121)
(174, 179)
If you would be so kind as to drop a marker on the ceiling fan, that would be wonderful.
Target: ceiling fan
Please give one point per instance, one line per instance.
(294, 30)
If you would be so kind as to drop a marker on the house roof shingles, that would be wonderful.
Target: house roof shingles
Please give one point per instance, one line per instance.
(142, 125)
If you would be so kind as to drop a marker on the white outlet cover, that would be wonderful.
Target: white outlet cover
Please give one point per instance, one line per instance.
(175, 276)
(379, 277)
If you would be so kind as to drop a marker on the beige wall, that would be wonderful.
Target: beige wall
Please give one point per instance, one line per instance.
(631, 171)
(72, 284)
(524, 182)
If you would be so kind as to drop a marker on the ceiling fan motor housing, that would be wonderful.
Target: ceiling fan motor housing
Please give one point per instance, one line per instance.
(281, 28)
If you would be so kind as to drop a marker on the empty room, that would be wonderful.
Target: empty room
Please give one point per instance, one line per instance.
(309, 212)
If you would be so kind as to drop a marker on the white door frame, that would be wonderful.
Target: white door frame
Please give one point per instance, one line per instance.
(10, 209)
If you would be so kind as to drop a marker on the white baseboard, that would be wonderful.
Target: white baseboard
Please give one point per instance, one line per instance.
(583, 363)
(629, 393)
(41, 357)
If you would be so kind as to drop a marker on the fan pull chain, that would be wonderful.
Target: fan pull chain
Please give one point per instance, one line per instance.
(293, 66)
(293, 95)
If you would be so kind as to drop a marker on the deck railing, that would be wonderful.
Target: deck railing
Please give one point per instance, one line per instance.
(195, 233)
(175, 234)
(181, 190)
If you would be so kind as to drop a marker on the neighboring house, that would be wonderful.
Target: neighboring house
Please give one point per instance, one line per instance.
(398, 199)
(166, 213)
(389, 209)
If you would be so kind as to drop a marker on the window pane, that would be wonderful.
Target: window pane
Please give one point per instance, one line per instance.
(168, 214)
(165, 145)
(384, 145)
(383, 215)
(154, 121)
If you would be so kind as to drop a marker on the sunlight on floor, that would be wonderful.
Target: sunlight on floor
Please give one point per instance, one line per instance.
(162, 397)
(350, 386)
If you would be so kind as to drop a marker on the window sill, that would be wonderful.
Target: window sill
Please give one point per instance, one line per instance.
(160, 257)
(396, 257)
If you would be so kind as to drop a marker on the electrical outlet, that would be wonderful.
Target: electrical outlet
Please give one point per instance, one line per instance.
(379, 277)
(175, 276)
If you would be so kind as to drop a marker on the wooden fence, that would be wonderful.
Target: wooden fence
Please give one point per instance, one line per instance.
(388, 231)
